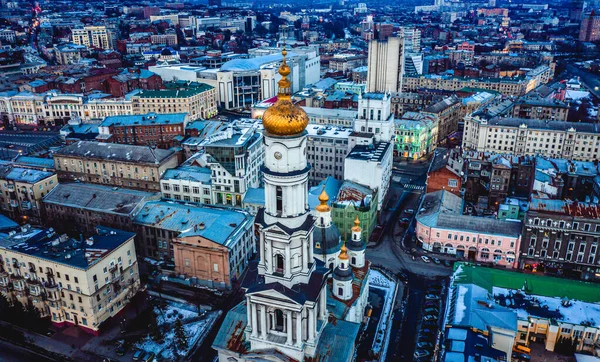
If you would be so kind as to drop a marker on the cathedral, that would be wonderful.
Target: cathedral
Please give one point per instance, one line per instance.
(311, 291)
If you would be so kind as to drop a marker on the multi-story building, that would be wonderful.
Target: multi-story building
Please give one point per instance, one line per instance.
(540, 108)
(371, 165)
(375, 116)
(446, 114)
(137, 167)
(411, 102)
(590, 27)
(198, 101)
(92, 37)
(416, 135)
(74, 282)
(22, 192)
(158, 223)
(442, 228)
(386, 65)
(68, 54)
(78, 208)
(507, 86)
(321, 116)
(189, 183)
(518, 136)
(326, 151)
(561, 237)
(355, 200)
(151, 129)
(235, 157)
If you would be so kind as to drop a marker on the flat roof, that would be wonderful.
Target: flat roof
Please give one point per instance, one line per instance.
(115, 151)
(148, 119)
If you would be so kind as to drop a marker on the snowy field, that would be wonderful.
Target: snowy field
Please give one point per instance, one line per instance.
(379, 281)
(194, 329)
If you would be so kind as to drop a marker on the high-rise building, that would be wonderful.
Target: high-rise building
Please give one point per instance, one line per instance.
(92, 37)
(576, 9)
(590, 27)
(386, 65)
(286, 315)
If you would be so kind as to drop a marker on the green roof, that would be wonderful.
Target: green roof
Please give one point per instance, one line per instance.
(545, 286)
(175, 93)
(477, 90)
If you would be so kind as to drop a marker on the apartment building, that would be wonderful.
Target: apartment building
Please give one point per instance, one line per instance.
(411, 102)
(136, 167)
(78, 208)
(326, 150)
(321, 116)
(22, 192)
(151, 129)
(561, 237)
(512, 87)
(442, 228)
(68, 54)
(235, 157)
(199, 101)
(416, 135)
(75, 282)
(92, 37)
(195, 237)
(520, 136)
(189, 183)
(446, 114)
(540, 108)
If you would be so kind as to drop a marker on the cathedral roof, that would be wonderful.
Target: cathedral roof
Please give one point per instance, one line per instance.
(342, 274)
(328, 238)
(306, 226)
(339, 308)
(337, 342)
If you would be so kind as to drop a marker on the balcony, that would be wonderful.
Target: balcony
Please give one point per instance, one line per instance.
(26, 205)
(14, 203)
(52, 296)
(113, 268)
(35, 290)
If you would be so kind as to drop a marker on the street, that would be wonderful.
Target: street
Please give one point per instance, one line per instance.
(12, 353)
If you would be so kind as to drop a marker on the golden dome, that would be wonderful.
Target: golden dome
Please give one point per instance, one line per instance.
(323, 198)
(283, 118)
(356, 226)
(344, 252)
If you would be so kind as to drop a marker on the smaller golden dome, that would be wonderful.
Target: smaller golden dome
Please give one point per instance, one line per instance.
(323, 198)
(343, 252)
(356, 227)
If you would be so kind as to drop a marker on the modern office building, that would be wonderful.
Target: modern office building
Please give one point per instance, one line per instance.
(386, 65)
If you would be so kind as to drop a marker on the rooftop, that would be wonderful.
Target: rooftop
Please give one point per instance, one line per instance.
(544, 124)
(189, 173)
(144, 120)
(565, 207)
(19, 174)
(46, 244)
(371, 153)
(253, 64)
(216, 224)
(175, 93)
(99, 198)
(115, 151)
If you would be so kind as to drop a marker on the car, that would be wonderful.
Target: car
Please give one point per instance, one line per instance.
(137, 355)
(425, 259)
(148, 357)
(432, 304)
(521, 357)
(426, 338)
(420, 353)
(435, 286)
(436, 260)
(427, 331)
(432, 297)
(409, 211)
(121, 350)
(429, 324)
(429, 311)
(424, 345)
(430, 317)
(404, 221)
(447, 263)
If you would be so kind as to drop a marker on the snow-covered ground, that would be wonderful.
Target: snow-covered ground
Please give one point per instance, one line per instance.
(576, 313)
(194, 330)
(380, 281)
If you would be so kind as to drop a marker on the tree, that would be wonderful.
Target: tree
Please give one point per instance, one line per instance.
(155, 333)
(181, 338)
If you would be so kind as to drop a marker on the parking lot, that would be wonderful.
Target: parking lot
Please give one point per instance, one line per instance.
(429, 320)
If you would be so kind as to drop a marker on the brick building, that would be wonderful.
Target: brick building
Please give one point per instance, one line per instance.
(151, 129)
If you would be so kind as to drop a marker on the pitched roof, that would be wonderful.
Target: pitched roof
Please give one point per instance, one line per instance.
(115, 151)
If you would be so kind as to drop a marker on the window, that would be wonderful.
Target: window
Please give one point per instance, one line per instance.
(215, 267)
(279, 263)
(278, 316)
(279, 199)
(452, 183)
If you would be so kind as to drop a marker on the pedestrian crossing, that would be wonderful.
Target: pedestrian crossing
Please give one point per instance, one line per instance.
(413, 187)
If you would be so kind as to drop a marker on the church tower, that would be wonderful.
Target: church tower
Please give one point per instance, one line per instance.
(356, 246)
(287, 310)
(326, 236)
(342, 277)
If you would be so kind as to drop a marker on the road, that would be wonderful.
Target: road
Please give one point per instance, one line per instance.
(12, 353)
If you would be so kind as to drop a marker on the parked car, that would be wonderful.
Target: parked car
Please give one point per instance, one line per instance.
(137, 355)
(436, 260)
(429, 311)
(424, 345)
(121, 350)
(425, 259)
(430, 317)
(427, 331)
(432, 304)
(148, 357)
(432, 297)
(426, 338)
(420, 353)
(432, 324)
(516, 356)
(409, 211)
(435, 286)
(404, 221)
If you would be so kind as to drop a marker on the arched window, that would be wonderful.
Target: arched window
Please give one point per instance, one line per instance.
(279, 263)
(330, 266)
(353, 260)
(279, 199)
(355, 236)
(278, 320)
(340, 291)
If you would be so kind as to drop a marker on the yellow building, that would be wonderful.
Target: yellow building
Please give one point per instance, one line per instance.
(22, 192)
(82, 283)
